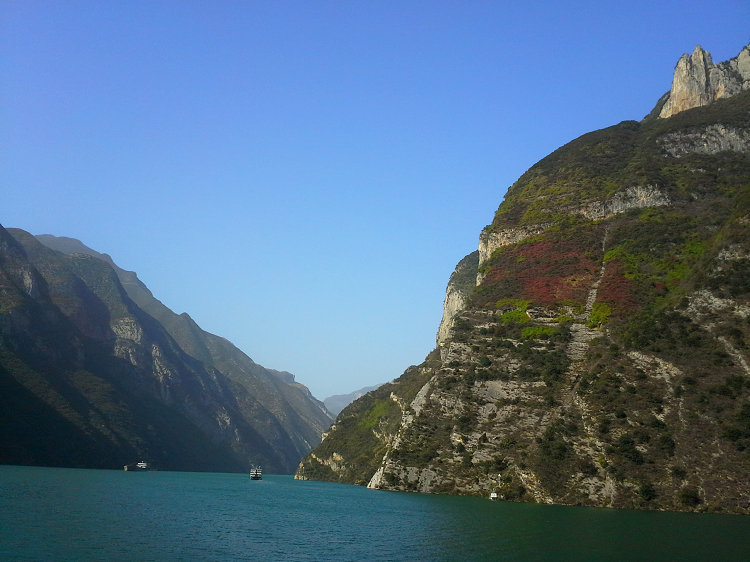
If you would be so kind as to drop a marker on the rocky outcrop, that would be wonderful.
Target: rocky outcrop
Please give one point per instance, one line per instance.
(454, 303)
(491, 239)
(408, 415)
(461, 282)
(707, 140)
(636, 197)
(698, 81)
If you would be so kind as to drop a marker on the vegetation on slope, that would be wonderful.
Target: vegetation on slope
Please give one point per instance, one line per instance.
(602, 360)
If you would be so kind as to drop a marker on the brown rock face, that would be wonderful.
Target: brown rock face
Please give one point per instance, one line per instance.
(698, 81)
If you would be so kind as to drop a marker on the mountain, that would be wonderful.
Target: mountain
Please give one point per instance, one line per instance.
(302, 417)
(338, 402)
(96, 372)
(593, 350)
(698, 81)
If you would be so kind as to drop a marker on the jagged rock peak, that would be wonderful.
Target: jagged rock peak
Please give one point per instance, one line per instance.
(698, 81)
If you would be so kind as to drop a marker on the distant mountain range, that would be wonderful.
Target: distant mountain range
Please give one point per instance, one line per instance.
(338, 402)
(96, 372)
(594, 349)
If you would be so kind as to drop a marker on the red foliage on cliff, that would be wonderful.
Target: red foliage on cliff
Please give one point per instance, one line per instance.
(617, 291)
(545, 272)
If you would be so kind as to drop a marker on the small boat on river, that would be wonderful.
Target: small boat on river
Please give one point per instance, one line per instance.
(256, 473)
(141, 465)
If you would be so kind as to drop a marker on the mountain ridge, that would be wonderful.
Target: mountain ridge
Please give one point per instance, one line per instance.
(593, 350)
(209, 348)
(338, 402)
(129, 384)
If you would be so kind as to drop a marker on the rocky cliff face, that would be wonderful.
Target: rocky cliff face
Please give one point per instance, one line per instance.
(459, 288)
(599, 357)
(81, 360)
(711, 139)
(493, 238)
(698, 81)
(263, 392)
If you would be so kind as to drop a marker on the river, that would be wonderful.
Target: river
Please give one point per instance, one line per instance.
(76, 514)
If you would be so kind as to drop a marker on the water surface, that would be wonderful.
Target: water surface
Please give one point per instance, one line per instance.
(52, 513)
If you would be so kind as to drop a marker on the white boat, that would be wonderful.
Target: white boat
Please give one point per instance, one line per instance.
(140, 465)
(256, 473)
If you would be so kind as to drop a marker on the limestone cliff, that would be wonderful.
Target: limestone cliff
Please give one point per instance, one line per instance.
(600, 356)
(461, 281)
(698, 81)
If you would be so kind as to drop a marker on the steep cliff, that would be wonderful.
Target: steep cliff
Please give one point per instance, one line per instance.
(698, 81)
(264, 392)
(460, 286)
(600, 357)
(91, 379)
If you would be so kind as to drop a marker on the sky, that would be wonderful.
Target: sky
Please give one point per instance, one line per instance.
(303, 177)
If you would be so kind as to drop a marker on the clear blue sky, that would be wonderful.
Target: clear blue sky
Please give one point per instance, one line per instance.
(302, 177)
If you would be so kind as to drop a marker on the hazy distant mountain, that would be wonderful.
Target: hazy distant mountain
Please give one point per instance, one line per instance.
(338, 402)
(594, 350)
(97, 372)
